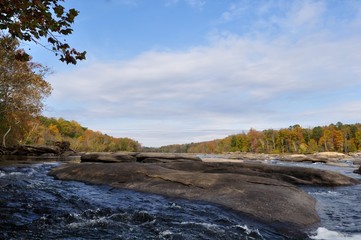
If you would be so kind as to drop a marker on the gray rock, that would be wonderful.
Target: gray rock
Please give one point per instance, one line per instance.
(269, 200)
(106, 157)
(330, 155)
(358, 171)
(167, 156)
(293, 175)
(262, 191)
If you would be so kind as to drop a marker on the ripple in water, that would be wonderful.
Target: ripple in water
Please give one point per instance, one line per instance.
(35, 206)
(339, 207)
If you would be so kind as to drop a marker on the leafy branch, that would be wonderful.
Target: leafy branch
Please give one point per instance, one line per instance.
(35, 20)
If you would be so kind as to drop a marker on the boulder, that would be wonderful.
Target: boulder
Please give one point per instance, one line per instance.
(330, 155)
(59, 149)
(265, 192)
(355, 155)
(358, 171)
(269, 200)
(107, 157)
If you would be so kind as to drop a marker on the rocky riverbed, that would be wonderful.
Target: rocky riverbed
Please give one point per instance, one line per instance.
(330, 158)
(267, 193)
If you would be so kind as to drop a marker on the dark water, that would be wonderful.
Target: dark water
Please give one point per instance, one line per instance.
(35, 206)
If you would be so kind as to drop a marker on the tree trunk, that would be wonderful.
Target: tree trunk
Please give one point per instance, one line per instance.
(4, 137)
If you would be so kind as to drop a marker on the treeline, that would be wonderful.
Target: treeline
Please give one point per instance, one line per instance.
(47, 131)
(295, 139)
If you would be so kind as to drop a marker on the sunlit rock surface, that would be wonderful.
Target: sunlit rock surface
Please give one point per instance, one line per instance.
(265, 192)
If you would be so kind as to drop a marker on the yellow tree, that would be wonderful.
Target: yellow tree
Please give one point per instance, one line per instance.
(338, 140)
(22, 89)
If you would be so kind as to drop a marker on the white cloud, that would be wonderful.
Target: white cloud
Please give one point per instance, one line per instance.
(233, 81)
(236, 82)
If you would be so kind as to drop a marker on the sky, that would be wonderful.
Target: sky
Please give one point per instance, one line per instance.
(180, 71)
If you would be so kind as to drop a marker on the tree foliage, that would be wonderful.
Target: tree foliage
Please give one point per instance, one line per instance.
(35, 20)
(295, 139)
(46, 131)
(22, 89)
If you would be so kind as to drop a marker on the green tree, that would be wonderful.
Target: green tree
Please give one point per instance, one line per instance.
(35, 20)
(22, 89)
(317, 133)
(270, 138)
(234, 143)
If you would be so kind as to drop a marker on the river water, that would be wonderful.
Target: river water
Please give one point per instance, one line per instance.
(34, 205)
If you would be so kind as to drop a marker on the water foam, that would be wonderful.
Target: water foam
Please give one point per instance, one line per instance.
(249, 231)
(209, 226)
(325, 193)
(325, 234)
(166, 233)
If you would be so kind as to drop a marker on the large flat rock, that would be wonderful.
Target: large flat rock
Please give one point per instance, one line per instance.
(267, 193)
(109, 157)
(293, 175)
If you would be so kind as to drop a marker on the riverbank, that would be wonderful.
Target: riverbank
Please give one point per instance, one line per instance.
(264, 192)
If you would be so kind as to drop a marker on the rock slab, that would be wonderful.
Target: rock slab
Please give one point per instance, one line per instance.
(267, 199)
(109, 157)
(265, 192)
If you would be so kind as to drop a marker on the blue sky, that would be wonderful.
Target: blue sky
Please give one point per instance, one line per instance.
(179, 71)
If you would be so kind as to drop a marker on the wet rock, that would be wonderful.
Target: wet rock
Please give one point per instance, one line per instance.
(107, 157)
(270, 200)
(262, 191)
(358, 171)
(61, 148)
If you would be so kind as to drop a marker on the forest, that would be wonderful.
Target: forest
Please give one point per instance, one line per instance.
(337, 137)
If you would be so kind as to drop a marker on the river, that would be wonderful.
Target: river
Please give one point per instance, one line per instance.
(34, 205)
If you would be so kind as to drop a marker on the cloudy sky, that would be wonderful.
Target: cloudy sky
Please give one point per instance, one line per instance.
(179, 71)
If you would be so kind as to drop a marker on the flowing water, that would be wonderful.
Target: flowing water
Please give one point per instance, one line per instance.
(339, 207)
(34, 205)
